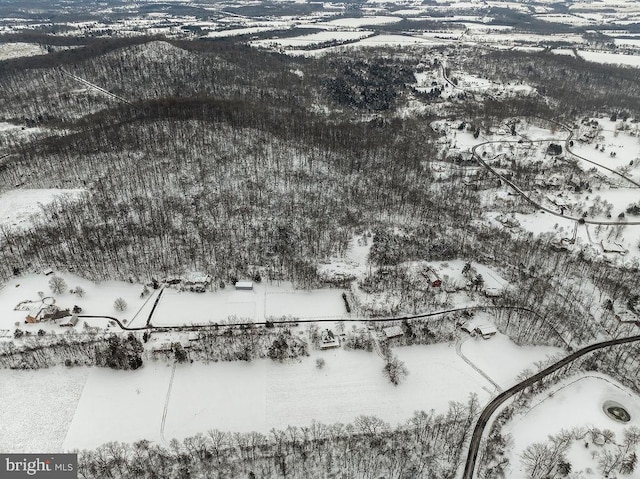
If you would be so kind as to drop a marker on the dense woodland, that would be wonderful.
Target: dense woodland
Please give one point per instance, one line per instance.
(198, 165)
(216, 157)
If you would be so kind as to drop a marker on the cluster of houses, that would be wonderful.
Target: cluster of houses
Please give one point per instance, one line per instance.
(197, 282)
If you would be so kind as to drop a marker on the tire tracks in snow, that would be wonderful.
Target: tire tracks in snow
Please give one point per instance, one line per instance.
(166, 405)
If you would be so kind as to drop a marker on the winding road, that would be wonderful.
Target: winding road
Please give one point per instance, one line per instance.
(567, 147)
(488, 411)
(149, 325)
(533, 202)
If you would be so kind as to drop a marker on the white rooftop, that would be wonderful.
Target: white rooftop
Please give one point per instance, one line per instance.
(393, 331)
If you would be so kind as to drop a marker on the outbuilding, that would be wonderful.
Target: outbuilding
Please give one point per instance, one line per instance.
(486, 330)
(393, 332)
(244, 285)
(71, 322)
(433, 278)
(613, 247)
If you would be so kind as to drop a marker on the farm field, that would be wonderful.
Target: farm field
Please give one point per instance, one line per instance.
(38, 406)
(262, 394)
(490, 357)
(265, 300)
(89, 406)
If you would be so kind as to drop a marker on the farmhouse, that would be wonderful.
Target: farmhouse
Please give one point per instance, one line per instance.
(486, 330)
(508, 221)
(43, 313)
(196, 282)
(329, 340)
(54, 312)
(244, 285)
(34, 315)
(479, 327)
(392, 332)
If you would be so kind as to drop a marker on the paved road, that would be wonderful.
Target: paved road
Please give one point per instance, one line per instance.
(488, 411)
(566, 142)
(522, 193)
(150, 326)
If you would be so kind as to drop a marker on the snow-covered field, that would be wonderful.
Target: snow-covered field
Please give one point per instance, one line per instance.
(314, 39)
(177, 308)
(361, 21)
(37, 407)
(490, 356)
(18, 206)
(575, 402)
(263, 394)
(243, 31)
(16, 50)
(320, 303)
(610, 58)
(402, 40)
(565, 19)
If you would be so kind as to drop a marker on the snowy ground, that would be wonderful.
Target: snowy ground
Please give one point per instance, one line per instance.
(361, 21)
(37, 407)
(263, 394)
(16, 50)
(98, 300)
(18, 206)
(355, 263)
(490, 356)
(314, 39)
(575, 402)
(610, 58)
(265, 300)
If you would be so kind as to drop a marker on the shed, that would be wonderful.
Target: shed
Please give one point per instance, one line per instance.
(71, 322)
(492, 292)
(468, 327)
(244, 285)
(613, 247)
(626, 317)
(432, 277)
(393, 332)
